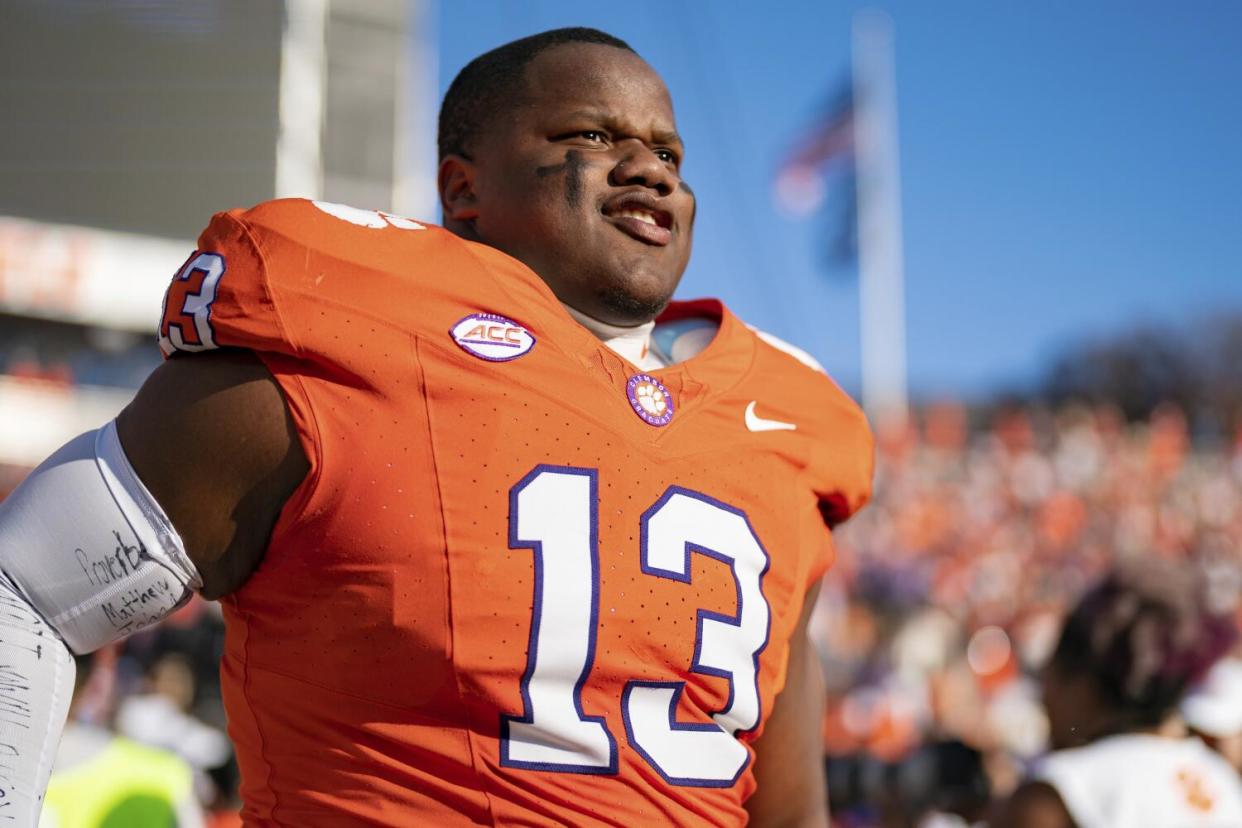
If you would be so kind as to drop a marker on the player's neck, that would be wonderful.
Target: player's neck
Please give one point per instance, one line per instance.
(633, 343)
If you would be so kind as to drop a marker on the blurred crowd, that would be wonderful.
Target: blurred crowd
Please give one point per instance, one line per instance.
(64, 354)
(950, 588)
(146, 744)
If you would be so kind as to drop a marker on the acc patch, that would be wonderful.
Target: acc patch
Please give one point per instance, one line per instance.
(492, 337)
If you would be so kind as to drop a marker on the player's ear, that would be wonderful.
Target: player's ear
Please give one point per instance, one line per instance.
(456, 181)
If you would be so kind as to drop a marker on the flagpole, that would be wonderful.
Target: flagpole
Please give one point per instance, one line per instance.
(414, 162)
(881, 286)
(302, 97)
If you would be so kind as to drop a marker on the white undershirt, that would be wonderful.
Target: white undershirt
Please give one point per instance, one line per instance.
(633, 343)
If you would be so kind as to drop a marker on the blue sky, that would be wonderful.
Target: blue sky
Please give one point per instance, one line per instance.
(1068, 169)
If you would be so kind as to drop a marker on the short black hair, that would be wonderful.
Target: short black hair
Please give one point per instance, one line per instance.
(1143, 636)
(487, 83)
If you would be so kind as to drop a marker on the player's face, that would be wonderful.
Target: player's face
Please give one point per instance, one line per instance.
(581, 183)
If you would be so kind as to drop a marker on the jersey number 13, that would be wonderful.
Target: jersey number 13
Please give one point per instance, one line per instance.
(554, 512)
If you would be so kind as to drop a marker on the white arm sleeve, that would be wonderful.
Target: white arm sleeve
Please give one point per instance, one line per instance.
(36, 683)
(86, 557)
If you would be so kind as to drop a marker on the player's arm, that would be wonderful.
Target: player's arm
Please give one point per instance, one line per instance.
(211, 438)
(1034, 805)
(789, 756)
(115, 529)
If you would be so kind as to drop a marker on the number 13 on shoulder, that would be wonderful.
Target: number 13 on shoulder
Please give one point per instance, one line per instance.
(554, 512)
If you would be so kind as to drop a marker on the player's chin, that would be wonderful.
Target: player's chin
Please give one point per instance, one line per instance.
(637, 299)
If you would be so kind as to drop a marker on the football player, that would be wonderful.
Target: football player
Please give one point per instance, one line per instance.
(492, 549)
(1121, 753)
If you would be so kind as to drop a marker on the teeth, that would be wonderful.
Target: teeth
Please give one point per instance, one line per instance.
(641, 215)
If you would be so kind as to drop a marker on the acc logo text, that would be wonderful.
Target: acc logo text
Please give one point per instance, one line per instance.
(492, 337)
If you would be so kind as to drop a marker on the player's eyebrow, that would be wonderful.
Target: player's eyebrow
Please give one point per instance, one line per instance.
(610, 122)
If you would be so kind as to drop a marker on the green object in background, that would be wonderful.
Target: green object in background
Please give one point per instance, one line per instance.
(124, 786)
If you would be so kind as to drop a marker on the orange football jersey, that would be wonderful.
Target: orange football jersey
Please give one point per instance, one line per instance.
(524, 583)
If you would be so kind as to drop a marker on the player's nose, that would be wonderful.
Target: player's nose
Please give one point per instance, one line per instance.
(639, 165)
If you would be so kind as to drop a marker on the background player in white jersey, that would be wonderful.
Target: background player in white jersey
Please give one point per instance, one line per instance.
(1213, 710)
(1122, 756)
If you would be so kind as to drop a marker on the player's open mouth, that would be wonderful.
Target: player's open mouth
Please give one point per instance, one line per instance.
(637, 217)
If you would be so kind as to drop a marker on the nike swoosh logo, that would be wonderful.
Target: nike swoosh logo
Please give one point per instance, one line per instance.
(756, 423)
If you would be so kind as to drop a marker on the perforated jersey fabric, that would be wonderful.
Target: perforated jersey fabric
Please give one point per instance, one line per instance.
(496, 572)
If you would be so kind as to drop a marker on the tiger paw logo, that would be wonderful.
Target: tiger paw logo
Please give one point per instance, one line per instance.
(650, 400)
(375, 219)
(1196, 793)
(492, 337)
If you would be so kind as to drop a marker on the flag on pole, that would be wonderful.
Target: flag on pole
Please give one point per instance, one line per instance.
(854, 142)
(818, 173)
